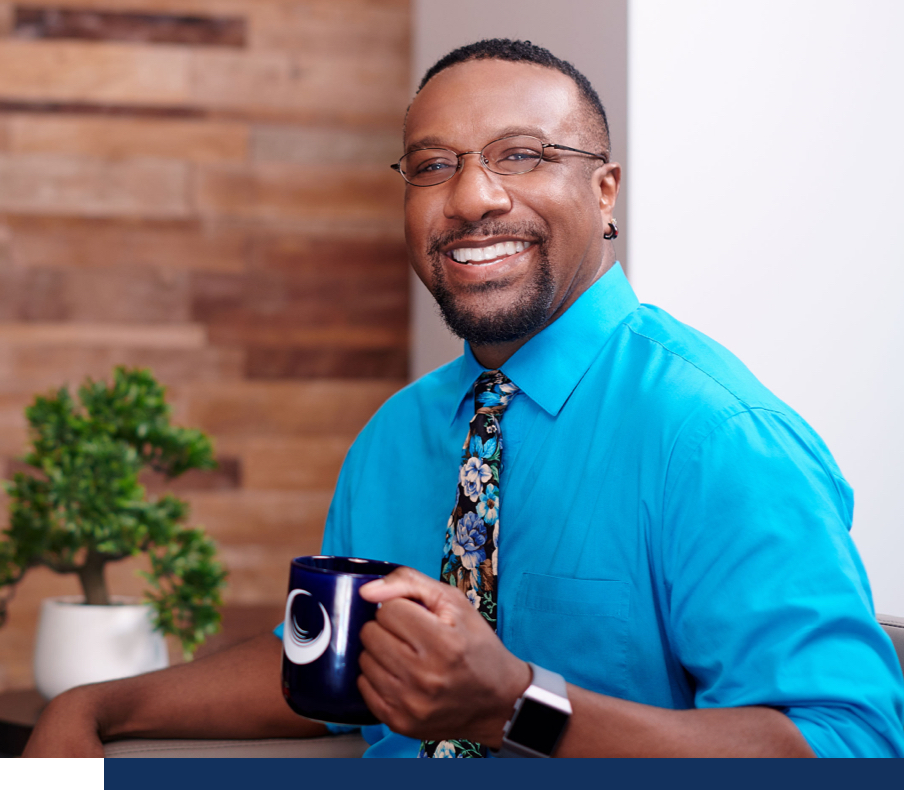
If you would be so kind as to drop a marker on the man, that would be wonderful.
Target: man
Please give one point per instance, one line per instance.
(657, 529)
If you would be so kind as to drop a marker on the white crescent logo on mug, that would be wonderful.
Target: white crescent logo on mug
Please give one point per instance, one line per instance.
(301, 648)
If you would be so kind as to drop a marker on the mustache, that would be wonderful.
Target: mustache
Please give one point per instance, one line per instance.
(529, 230)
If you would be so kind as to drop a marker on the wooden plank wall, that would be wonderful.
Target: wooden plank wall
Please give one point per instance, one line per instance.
(201, 187)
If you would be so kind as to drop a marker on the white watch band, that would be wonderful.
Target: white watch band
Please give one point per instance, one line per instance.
(546, 706)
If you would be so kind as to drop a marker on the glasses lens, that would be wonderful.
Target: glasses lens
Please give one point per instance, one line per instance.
(513, 154)
(429, 166)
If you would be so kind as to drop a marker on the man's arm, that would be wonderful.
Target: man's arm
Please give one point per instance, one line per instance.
(231, 694)
(438, 671)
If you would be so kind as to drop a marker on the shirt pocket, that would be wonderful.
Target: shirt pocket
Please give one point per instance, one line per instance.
(576, 627)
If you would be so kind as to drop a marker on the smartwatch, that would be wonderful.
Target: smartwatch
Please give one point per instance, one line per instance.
(539, 719)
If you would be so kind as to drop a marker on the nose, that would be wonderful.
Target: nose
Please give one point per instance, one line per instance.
(475, 193)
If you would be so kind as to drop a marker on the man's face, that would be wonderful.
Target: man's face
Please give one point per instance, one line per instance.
(543, 229)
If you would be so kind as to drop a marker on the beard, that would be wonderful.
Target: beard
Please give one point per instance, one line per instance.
(530, 311)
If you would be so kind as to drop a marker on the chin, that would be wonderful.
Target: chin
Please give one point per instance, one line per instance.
(509, 323)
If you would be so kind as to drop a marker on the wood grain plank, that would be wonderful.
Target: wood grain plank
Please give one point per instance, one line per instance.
(55, 22)
(283, 409)
(198, 7)
(351, 294)
(354, 89)
(311, 363)
(7, 12)
(118, 138)
(288, 334)
(319, 145)
(106, 110)
(126, 295)
(272, 518)
(260, 574)
(57, 184)
(323, 26)
(61, 242)
(271, 191)
(97, 72)
(187, 336)
(321, 256)
(298, 464)
(55, 365)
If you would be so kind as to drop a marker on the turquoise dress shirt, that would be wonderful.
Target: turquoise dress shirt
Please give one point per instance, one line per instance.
(670, 532)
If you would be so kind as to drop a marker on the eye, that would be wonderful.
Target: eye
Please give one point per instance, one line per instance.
(429, 161)
(434, 165)
(519, 155)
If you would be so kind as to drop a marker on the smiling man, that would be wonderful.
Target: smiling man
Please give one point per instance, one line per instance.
(638, 551)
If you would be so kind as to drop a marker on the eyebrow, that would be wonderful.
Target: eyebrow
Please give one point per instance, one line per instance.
(434, 141)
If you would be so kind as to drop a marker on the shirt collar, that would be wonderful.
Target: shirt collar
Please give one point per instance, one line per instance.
(549, 366)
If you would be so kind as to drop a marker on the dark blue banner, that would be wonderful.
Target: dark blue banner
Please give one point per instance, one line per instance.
(187, 774)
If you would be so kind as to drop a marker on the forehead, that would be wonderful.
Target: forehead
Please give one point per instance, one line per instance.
(472, 103)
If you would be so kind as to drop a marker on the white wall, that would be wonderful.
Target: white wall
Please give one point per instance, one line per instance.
(589, 33)
(767, 196)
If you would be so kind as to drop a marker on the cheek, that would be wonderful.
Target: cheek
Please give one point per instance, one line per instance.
(420, 222)
(417, 231)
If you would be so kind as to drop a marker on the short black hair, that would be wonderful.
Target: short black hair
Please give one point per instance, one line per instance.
(526, 52)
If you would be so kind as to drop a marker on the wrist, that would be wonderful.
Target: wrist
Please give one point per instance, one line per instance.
(519, 680)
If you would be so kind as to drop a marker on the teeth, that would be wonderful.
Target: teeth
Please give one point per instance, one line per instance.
(478, 254)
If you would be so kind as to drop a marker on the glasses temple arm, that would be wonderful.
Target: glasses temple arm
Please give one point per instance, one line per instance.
(576, 150)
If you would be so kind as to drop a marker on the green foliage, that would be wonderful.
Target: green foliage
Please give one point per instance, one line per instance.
(84, 505)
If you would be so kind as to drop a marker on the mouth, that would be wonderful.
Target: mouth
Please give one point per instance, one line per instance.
(487, 253)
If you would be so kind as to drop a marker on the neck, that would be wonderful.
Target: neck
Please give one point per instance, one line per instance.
(494, 356)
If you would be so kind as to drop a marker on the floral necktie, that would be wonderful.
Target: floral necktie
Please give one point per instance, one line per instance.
(472, 533)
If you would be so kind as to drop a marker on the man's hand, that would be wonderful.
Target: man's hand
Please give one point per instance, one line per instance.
(67, 728)
(432, 667)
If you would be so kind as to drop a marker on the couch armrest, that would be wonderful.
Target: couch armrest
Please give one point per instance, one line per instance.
(351, 745)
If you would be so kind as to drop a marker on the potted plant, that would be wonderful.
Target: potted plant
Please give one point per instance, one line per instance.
(81, 506)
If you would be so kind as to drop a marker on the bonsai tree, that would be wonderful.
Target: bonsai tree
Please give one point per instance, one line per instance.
(82, 506)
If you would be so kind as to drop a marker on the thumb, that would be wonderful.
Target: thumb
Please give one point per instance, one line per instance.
(436, 596)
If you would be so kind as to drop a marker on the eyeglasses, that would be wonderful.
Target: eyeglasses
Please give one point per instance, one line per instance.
(508, 156)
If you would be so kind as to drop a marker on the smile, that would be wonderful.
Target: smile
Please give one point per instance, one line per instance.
(485, 255)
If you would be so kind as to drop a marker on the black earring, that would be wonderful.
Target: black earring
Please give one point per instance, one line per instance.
(612, 233)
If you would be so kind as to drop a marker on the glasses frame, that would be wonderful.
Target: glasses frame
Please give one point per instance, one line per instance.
(485, 162)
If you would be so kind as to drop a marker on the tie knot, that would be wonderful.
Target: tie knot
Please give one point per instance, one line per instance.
(493, 391)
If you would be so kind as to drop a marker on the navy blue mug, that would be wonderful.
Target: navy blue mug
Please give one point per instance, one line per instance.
(321, 636)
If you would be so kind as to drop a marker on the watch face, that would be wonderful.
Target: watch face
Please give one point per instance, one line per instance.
(537, 726)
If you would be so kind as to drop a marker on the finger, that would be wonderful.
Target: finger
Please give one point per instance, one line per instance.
(409, 583)
(392, 653)
(389, 697)
(375, 703)
(383, 680)
(381, 695)
(410, 622)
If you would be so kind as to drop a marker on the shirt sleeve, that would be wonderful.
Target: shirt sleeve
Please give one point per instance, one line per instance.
(768, 602)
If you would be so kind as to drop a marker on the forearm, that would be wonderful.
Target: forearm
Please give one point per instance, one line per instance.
(604, 726)
(232, 694)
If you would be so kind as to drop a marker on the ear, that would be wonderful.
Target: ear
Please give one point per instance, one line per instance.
(606, 181)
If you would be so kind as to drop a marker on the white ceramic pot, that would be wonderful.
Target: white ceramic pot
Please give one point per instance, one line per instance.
(79, 644)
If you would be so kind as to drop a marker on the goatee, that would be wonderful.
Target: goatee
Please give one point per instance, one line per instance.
(528, 314)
